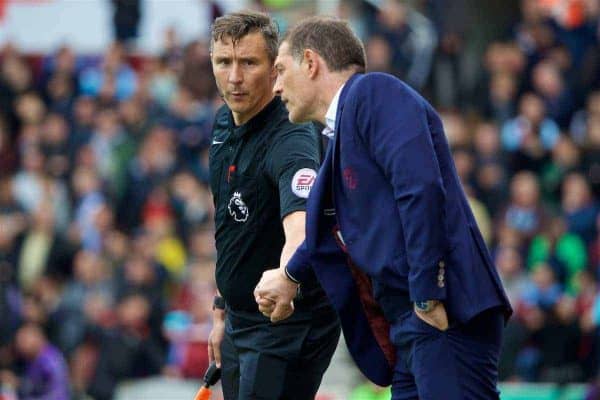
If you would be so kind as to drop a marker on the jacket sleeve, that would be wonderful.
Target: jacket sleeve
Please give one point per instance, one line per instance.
(298, 268)
(393, 125)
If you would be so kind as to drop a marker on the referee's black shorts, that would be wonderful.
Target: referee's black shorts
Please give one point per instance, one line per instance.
(282, 361)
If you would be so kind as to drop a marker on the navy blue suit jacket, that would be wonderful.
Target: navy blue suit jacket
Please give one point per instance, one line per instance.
(389, 184)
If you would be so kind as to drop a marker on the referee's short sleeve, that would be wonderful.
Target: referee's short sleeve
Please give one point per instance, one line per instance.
(293, 165)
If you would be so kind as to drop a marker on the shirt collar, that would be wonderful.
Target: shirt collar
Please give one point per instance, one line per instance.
(331, 115)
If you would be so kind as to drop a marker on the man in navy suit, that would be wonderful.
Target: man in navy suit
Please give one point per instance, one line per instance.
(389, 232)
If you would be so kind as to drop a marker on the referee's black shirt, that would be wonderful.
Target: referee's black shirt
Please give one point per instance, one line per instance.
(260, 172)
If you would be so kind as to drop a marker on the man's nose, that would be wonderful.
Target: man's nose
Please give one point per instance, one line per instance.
(235, 74)
(277, 88)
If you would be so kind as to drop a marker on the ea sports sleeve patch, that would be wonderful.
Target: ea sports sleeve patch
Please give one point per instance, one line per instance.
(302, 181)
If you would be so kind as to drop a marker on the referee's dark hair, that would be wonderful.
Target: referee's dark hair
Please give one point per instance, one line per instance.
(332, 39)
(239, 24)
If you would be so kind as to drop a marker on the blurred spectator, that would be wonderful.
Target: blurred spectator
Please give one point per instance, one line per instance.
(8, 156)
(498, 88)
(564, 252)
(543, 290)
(54, 144)
(196, 74)
(412, 39)
(112, 80)
(41, 250)
(187, 331)
(559, 343)
(126, 17)
(90, 202)
(558, 99)
(59, 81)
(31, 186)
(190, 200)
(525, 213)
(154, 163)
(88, 295)
(126, 350)
(581, 210)
(534, 33)
(15, 79)
(582, 119)
(46, 374)
(379, 54)
(591, 155)
(530, 135)
(162, 80)
(82, 124)
(112, 149)
(565, 158)
(10, 307)
(512, 273)
(490, 180)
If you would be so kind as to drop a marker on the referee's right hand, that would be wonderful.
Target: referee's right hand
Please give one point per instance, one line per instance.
(216, 337)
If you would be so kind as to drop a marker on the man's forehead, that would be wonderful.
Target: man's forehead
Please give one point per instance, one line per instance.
(283, 54)
(284, 49)
(252, 42)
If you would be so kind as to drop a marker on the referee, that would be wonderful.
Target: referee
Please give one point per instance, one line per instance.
(261, 170)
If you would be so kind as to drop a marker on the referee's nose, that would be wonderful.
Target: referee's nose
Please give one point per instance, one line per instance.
(235, 74)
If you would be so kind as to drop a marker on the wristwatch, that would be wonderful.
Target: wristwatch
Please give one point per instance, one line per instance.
(218, 303)
(426, 306)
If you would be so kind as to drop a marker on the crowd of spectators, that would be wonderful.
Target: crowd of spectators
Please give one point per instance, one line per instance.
(106, 236)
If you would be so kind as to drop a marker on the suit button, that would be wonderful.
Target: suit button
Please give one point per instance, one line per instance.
(441, 284)
(441, 264)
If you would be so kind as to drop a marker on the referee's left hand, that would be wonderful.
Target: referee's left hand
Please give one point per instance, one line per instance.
(274, 294)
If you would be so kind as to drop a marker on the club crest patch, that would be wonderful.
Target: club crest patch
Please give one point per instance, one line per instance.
(237, 208)
(303, 181)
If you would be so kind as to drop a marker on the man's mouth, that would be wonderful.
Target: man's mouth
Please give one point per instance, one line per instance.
(238, 95)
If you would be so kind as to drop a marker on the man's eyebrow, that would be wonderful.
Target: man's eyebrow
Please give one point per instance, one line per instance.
(248, 58)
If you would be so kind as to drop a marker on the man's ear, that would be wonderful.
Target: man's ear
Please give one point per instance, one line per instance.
(312, 63)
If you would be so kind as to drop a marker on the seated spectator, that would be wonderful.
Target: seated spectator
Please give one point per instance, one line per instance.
(512, 273)
(41, 250)
(112, 79)
(591, 155)
(187, 332)
(580, 123)
(564, 252)
(525, 212)
(543, 290)
(531, 135)
(412, 39)
(90, 201)
(46, 374)
(580, 207)
(558, 98)
(560, 342)
(126, 350)
(501, 103)
(91, 284)
(32, 185)
(54, 145)
(10, 308)
(565, 159)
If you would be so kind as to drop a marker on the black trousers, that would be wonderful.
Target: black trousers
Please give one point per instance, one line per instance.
(282, 361)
